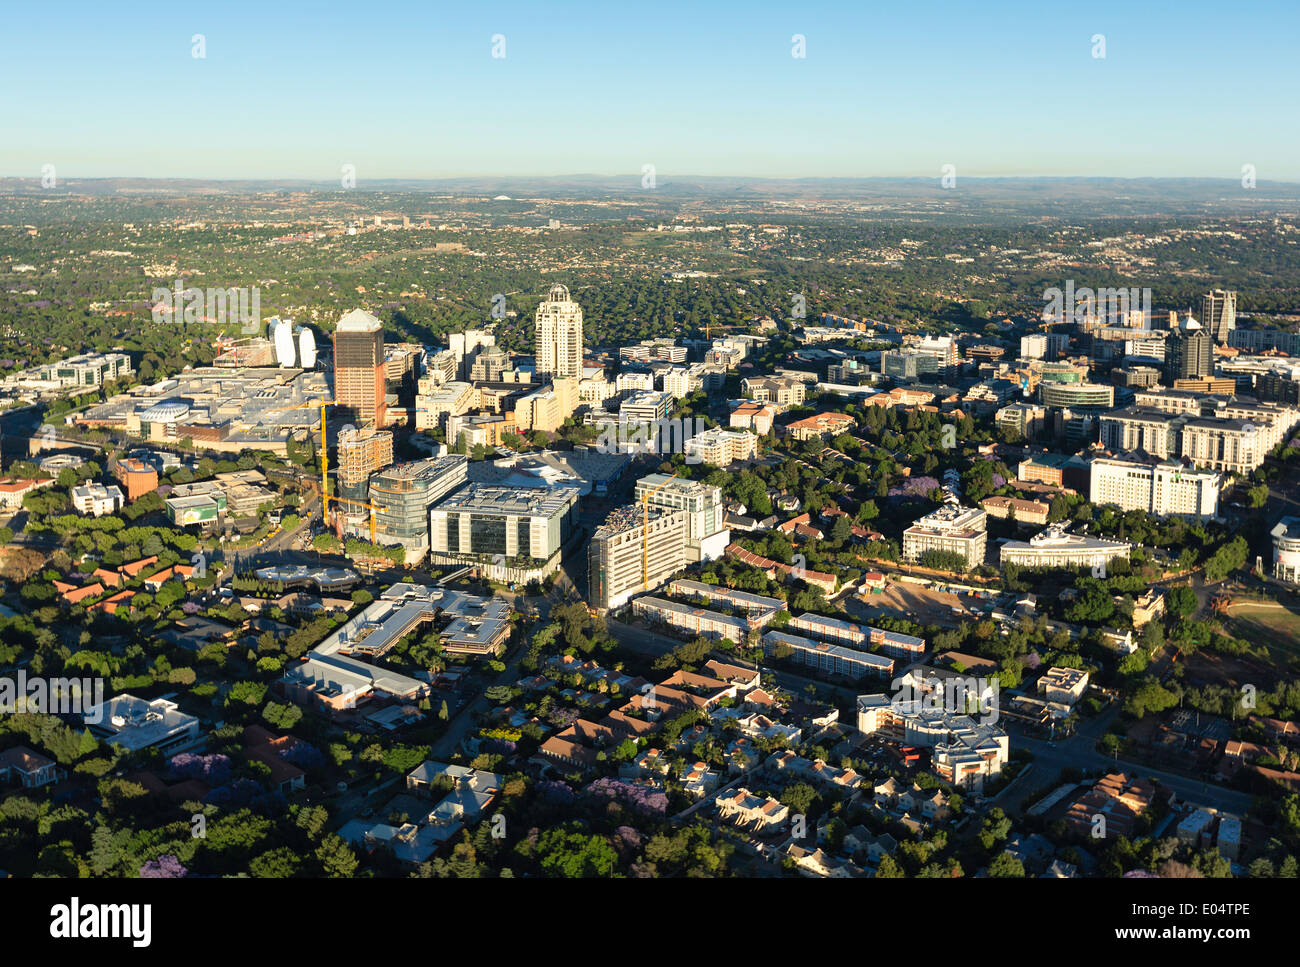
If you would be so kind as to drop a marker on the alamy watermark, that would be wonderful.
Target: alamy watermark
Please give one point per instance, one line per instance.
(662, 437)
(53, 696)
(222, 307)
(1076, 305)
(959, 695)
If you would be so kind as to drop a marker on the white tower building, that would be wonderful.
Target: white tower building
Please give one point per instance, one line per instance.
(559, 335)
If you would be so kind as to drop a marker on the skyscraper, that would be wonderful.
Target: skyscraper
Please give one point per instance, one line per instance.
(1219, 313)
(559, 336)
(1189, 353)
(359, 367)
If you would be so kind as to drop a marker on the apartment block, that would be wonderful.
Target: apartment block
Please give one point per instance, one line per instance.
(720, 448)
(636, 549)
(828, 658)
(1164, 489)
(841, 632)
(960, 530)
(707, 535)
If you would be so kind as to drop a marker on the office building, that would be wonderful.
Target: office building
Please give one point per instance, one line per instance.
(86, 370)
(1140, 429)
(96, 499)
(511, 523)
(908, 367)
(138, 476)
(360, 370)
(960, 530)
(1219, 313)
(780, 391)
(637, 548)
(645, 406)
(1265, 340)
(965, 751)
(1054, 547)
(1044, 345)
(1026, 420)
(402, 495)
(435, 402)
(137, 724)
(1076, 395)
(1189, 353)
(1055, 470)
(1286, 550)
(1164, 489)
(559, 335)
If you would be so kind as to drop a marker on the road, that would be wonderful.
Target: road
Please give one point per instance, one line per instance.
(1079, 752)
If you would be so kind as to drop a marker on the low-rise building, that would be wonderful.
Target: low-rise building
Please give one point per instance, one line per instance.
(760, 813)
(720, 448)
(820, 425)
(1064, 685)
(1023, 511)
(753, 416)
(825, 657)
(893, 644)
(137, 724)
(1055, 547)
(97, 500)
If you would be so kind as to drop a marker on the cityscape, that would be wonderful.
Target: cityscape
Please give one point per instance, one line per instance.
(492, 525)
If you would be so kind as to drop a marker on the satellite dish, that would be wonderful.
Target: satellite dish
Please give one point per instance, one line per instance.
(284, 343)
(306, 348)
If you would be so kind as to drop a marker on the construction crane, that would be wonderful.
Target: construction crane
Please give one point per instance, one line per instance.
(325, 501)
(645, 531)
(324, 456)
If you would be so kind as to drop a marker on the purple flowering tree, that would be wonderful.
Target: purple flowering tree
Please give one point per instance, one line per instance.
(163, 868)
(213, 769)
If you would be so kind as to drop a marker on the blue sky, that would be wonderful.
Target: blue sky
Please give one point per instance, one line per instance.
(410, 89)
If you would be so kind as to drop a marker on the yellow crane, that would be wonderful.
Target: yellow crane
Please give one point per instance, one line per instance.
(645, 531)
(324, 455)
(325, 500)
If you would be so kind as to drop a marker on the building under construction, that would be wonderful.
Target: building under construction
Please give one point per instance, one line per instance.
(639, 547)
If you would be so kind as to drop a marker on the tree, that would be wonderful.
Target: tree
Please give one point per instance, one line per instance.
(889, 869)
(1006, 865)
(280, 863)
(336, 857)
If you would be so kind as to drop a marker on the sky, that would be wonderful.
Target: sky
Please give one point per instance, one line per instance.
(412, 89)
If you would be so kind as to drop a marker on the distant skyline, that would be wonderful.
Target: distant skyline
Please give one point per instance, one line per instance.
(410, 90)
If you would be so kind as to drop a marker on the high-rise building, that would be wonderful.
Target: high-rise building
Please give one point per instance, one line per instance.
(466, 346)
(1163, 489)
(1189, 354)
(361, 453)
(706, 535)
(637, 548)
(402, 495)
(515, 523)
(559, 335)
(1219, 313)
(360, 370)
